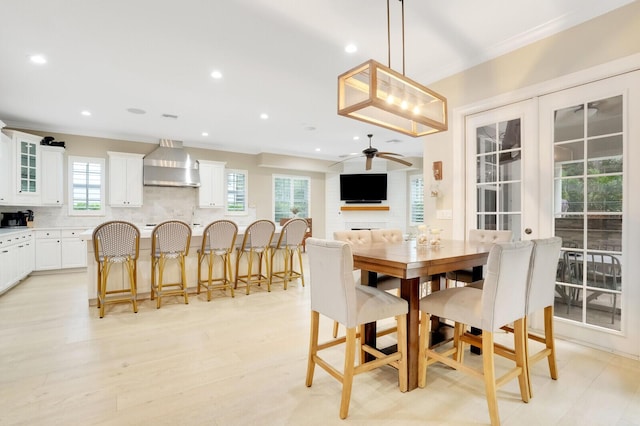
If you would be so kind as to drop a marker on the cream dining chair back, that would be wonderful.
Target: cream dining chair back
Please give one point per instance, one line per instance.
(218, 242)
(488, 236)
(255, 248)
(541, 296)
(335, 295)
(366, 237)
(289, 245)
(386, 235)
(501, 301)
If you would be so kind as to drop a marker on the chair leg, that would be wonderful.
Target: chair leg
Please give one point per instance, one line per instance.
(159, 282)
(489, 373)
(520, 338)
(300, 263)
(133, 284)
(183, 274)
(550, 341)
(347, 377)
(313, 347)
(336, 324)
(423, 345)
(226, 265)
(209, 278)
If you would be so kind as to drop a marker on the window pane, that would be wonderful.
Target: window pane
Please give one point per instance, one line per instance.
(604, 116)
(87, 177)
(416, 194)
(291, 196)
(568, 123)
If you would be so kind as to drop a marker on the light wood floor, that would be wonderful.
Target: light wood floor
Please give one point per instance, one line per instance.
(242, 361)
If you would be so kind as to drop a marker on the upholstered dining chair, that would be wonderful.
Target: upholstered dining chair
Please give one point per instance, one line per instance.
(170, 242)
(255, 246)
(365, 237)
(335, 294)
(218, 242)
(116, 242)
(502, 301)
(540, 296)
(488, 236)
(289, 244)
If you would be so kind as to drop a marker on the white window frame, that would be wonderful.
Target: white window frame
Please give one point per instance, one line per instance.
(246, 192)
(103, 201)
(292, 177)
(413, 199)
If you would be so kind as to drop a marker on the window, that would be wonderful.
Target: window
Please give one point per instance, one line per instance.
(291, 196)
(86, 186)
(236, 191)
(416, 199)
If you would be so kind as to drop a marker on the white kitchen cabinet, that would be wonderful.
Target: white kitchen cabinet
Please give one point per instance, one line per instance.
(125, 179)
(6, 169)
(48, 249)
(60, 249)
(52, 169)
(211, 192)
(74, 249)
(16, 258)
(26, 173)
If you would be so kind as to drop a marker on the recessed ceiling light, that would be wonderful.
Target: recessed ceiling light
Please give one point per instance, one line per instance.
(216, 74)
(356, 138)
(318, 149)
(264, 116)
(351, 48)
(136, 111)
(86, 113)
(205, 134)
(38, 59)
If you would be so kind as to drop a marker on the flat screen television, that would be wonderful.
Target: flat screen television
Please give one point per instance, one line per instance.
(363, 188)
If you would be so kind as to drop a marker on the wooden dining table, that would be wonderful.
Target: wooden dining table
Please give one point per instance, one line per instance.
(415, 264)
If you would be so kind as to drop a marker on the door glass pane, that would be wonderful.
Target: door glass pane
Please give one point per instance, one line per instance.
(499, 161)
(486, 169)
(568, 123)
(587, 203)
(486, 139)
(605, 116)
(487, 221)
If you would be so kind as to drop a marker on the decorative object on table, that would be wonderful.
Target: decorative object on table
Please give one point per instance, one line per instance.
(376, 94)
(434, 237)
(423, 238)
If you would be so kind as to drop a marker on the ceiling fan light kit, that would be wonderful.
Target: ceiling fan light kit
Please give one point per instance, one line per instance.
(376, 94)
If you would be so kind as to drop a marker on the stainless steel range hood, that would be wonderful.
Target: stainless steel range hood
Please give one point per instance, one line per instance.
(170, 165)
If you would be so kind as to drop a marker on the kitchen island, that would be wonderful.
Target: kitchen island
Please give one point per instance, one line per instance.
(117, 274)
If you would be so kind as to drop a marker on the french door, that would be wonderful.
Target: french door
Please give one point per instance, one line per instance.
(501, 170)
(561, 164)
(590, 138)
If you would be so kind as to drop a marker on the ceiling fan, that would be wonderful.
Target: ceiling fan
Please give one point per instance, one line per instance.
(371, 152)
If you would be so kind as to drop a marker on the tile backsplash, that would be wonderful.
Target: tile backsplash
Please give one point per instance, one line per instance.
(159, 204)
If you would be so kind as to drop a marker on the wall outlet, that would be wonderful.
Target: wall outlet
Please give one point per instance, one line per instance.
(444, 214)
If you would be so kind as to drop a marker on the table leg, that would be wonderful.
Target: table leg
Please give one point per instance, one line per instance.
(410, 291)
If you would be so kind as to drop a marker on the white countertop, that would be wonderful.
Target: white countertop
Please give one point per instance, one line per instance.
(145, 231)
(9, 231)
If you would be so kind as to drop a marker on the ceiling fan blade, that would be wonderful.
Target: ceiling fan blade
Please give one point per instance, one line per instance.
(390, 153)
(368, 166)
(397, 160)
(348, 158)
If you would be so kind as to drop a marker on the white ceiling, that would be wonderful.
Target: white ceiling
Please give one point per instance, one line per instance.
(280, 57)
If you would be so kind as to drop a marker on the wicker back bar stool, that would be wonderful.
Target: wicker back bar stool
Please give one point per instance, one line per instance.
(169, 243)
(116, 242)
(218, 242)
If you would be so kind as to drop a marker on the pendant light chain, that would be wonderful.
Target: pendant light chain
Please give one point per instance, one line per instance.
(389, 37)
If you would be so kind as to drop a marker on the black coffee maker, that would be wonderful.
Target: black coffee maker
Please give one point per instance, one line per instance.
(16, 219)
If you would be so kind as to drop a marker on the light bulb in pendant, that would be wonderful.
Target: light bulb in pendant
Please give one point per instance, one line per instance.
(390, 99)
(404, 105)
(416, 110)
